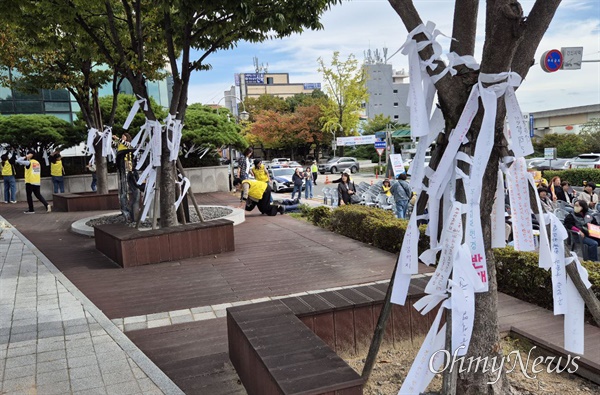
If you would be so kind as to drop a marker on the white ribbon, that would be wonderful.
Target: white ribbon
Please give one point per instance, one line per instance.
(498, 211)
(421, 89)
(186, 185)
(559, 273)
(455, 60)
(107, 140)
(518, 190)
(419, 375)
(463, 301)
(134, 110)
(451, 239)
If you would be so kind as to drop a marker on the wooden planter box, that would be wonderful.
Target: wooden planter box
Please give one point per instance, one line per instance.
(290, 346)
(87, 201)
(129, 247)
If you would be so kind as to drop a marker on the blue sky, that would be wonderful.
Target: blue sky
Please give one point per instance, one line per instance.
(355, 26)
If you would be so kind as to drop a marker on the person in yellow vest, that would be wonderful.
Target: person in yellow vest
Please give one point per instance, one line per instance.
(259, 171)
(57, 171)
(33, 178)
(314, 169)
(256, 194)
(8, 174)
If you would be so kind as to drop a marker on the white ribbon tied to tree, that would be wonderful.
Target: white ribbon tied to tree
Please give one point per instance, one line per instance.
(107, 141)
(134, 109)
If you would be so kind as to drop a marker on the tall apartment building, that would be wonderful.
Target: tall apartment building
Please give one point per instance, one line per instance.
(388, 92)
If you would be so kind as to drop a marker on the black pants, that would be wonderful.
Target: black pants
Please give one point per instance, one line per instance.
(315, 178)
(264, 204)
(35, 189)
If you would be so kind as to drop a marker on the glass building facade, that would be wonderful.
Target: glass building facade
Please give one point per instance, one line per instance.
(61, 103)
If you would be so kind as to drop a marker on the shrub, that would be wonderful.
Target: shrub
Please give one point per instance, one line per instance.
(574, 176)
(320, 216)
(349, 221)
(519, 275)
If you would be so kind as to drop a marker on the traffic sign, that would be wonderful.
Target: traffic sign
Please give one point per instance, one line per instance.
(380, 144)
(551, 61)
(572, 57)
(380, 150)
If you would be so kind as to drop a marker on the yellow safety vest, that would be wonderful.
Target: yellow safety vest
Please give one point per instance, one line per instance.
(314, 168)
(33, 172)
(257, 189)
(7, 169)
(261, 174)
(56, 168)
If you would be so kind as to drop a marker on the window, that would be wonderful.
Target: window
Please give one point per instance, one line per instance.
(396, 104)
(395, 91)
(6, 107)
(395, 116)
(269, 80)
(28, 107)
(56, 95)
(57, 106)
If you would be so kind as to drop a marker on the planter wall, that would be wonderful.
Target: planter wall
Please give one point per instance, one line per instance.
(129, 247)
(89, 201)
(204, 180)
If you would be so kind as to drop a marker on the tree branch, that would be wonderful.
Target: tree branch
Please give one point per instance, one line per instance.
(130, 23)
(506, 33)
(464, 27)
(536, 25)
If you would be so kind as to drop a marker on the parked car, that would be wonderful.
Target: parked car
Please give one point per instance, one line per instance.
(533, 162)
(278, 160)
(586, 161)
(554, 164)
(335, 165)
(281, 178)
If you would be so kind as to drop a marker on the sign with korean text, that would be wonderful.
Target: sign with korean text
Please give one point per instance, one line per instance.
(254, 78)
(572, 57)
(397, 164)
(312, 86)
(356, 140)
(549, 153)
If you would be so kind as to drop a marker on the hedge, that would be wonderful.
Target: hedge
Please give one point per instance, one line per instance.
(576, 177)
(518, 273)
(367, 224)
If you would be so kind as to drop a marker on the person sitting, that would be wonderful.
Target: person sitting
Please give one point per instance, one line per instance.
(256, 194)
(346, 189)
(565, 194)
(386, 187)
(547, 203)
(578, 222)
(589, 196)
(554, 187)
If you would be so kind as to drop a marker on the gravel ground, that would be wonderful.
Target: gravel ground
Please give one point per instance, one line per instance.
(393, 365)
(207, 212)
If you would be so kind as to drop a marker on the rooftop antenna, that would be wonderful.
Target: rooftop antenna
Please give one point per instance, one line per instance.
(259, 68)
(385, 51)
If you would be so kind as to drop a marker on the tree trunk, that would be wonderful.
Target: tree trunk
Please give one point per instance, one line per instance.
(101, 170)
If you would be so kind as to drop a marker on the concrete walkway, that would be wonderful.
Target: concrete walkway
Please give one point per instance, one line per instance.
(53, 340)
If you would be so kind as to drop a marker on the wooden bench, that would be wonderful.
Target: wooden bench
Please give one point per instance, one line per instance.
(87, 201)
(128, 246)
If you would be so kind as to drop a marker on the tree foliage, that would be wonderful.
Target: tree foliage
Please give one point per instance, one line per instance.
(256, 105)
(346, 89)
(205, 127)
(38, 132)
(567, 145)
(378, 123)
(590, 134)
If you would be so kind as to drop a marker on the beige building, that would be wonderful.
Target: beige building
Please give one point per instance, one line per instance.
(256, 84)
(564, 120)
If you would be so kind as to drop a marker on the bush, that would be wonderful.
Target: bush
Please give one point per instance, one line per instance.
(374, 226)
(575, 176)
(519, 275)
(320, 216)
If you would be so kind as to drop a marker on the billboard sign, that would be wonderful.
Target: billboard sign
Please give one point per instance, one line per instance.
(312, 86)
(254, 78)
(356, 140)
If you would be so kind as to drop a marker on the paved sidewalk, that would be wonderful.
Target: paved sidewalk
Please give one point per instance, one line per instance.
(53, 340)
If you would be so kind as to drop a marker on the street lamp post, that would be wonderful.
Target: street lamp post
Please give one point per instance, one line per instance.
(332, 128)
(244, 116)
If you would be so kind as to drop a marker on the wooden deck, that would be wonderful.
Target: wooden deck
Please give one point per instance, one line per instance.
(274, 256)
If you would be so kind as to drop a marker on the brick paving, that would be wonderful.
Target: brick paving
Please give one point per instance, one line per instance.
(172, 311)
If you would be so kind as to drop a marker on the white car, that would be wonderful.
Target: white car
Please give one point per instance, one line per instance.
(586, 161)
(281, 179)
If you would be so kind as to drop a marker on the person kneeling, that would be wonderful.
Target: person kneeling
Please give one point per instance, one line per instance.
(256, 194)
